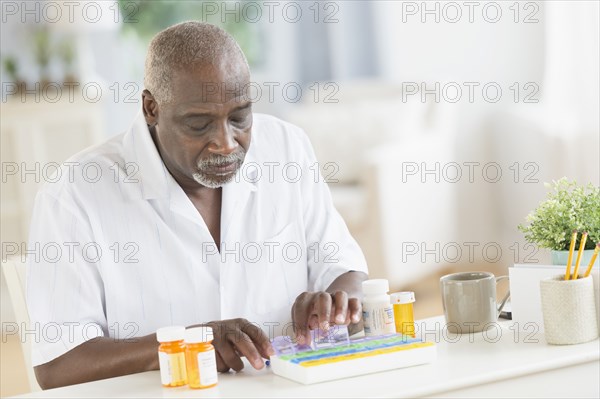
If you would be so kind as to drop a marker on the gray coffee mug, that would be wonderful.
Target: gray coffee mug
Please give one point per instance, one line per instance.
(469, 301)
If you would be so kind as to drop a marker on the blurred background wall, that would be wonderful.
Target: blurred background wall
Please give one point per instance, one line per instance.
(435, 123)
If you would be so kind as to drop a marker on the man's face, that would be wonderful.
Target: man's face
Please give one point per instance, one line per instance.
(204, 133)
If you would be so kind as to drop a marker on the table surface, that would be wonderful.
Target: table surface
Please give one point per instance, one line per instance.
(464, 361)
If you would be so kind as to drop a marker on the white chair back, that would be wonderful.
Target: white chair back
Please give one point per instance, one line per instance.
(14, 269)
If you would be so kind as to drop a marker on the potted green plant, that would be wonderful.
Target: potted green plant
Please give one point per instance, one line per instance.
(42, 53)
(568, 207)
(66, 52)
(12, 69)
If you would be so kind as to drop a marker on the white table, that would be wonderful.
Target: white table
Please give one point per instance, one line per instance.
(499, 363)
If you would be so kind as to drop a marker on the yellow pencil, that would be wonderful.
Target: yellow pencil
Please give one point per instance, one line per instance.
(579, 254)
(594, 256)
(570, 259)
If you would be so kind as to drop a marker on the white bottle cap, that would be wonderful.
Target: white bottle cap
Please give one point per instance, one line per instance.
(403, 297)
(170, 334)
(199, 334)
(375, 287)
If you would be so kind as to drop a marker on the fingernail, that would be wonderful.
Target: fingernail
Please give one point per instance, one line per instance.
(339, 319)
(355, 318)
(325, 325)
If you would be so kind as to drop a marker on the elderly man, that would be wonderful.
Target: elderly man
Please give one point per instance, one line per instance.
(201, 213)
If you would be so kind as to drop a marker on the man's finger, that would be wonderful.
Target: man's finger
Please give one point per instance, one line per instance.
(300, 315)
(245, 347)
(221, 365)
(340, 300)
(229, 356)
(348, 318)
(260, 339)
(323, 308)
(355, 309)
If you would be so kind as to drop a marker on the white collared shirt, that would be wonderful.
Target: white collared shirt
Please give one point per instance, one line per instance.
(117, 248)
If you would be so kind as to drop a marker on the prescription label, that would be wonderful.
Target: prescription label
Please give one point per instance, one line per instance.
(378, 321)
(172, 368)
(207, 367)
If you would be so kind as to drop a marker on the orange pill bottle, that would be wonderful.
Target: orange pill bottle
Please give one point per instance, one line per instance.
(200, 357)
(403, 312)
(171, 356)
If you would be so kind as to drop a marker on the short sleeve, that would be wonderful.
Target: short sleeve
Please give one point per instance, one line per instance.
(65, 293)
(332, 251)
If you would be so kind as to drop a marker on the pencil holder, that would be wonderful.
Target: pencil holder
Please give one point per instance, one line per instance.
(569, 310)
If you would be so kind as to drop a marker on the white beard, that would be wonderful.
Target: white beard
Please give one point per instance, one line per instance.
(211, 182)
(218, 180)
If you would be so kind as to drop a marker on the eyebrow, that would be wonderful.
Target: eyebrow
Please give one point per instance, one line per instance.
(195, 114)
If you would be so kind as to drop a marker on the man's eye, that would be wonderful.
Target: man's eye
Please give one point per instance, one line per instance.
(198, 128)
(239, 120)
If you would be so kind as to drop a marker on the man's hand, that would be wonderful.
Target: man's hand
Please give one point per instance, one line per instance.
(313, 310)
(236, 338)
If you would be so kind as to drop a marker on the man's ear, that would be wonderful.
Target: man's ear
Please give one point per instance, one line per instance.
(150, 108)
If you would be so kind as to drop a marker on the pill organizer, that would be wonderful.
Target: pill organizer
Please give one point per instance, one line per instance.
(332, 355)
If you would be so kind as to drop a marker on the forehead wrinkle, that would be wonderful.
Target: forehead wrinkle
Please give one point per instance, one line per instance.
(209, 87)
(209, 103)
(196, 108)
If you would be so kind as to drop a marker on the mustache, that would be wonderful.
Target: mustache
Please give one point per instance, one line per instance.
(220, 160)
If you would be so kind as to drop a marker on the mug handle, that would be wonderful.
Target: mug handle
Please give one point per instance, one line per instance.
(505, 299)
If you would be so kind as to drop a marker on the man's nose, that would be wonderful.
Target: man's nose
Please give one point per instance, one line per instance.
(224, 142)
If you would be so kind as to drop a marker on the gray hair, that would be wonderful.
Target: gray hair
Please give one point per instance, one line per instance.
(180, 46)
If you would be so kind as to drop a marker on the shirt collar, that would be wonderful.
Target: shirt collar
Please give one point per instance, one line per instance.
(152, 176)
